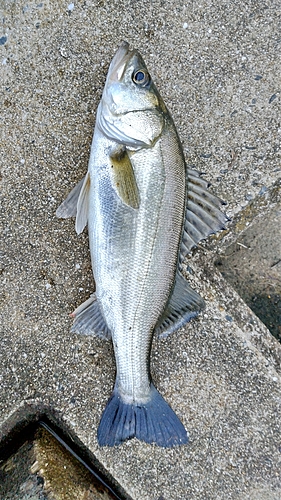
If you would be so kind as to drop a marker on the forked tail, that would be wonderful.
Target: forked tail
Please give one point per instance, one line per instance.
(152, 422)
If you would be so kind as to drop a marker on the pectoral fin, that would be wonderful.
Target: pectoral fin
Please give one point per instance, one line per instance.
(123, 177)
(184, 304)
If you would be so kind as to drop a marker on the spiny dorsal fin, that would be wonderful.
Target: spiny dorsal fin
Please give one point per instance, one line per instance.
(203, 215)
(123, 177)
(89, 320)
(183, 304)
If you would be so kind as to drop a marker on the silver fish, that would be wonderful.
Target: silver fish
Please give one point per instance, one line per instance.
(145, 211)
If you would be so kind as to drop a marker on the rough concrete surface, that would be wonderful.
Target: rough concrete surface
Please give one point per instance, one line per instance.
(217, 65)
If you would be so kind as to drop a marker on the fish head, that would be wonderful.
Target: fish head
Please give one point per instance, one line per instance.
(129, 86)
(132, 111)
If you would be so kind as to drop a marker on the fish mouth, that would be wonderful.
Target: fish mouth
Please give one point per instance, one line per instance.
(118, 63)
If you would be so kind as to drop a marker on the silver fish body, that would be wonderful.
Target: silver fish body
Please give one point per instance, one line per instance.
(144, 211)
(134, 252)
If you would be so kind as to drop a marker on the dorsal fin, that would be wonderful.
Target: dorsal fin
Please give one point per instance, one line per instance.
(203, 215)
(183, 304)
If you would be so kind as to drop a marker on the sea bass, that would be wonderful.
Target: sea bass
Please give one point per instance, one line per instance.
(145, 211)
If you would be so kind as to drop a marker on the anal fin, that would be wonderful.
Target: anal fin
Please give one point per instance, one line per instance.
(89, 320)
(183, 304)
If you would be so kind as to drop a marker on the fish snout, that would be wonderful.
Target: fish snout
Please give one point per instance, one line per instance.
(118, 63)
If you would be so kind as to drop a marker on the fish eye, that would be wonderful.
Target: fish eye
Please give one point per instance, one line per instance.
(141, 77)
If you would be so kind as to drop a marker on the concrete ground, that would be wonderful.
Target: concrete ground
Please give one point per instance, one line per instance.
(217, 66)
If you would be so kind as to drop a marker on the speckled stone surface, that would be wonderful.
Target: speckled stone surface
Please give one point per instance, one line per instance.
(217, 66)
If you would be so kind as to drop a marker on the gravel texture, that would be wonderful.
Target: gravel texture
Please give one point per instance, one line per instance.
(217, 66)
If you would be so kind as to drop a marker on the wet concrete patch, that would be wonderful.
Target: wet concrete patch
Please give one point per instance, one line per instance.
(17, 482)
(43, 469)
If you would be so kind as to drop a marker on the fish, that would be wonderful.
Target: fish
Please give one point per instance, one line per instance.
(145, 210)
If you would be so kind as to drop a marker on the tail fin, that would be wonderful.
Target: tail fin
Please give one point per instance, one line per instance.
(152, 422)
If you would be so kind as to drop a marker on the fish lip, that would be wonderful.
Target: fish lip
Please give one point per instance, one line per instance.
(118, 63)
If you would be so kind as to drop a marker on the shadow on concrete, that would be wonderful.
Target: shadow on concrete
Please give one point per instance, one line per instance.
(252, 265)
